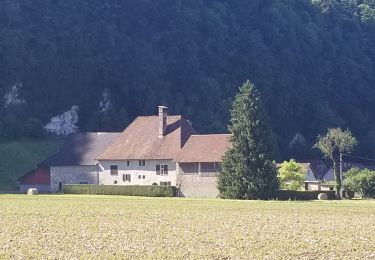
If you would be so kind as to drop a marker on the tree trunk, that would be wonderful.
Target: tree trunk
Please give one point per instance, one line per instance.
(336, 172)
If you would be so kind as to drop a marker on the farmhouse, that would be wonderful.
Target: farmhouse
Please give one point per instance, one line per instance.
(318, 176)
(152, 150)
(164, 150)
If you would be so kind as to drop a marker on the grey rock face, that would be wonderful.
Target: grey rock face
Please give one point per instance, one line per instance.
(65, 123)
(12, 97)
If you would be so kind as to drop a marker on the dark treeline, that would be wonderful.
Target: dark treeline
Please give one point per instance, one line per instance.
(313, 62)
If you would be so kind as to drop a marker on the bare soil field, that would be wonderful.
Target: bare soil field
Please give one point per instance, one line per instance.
(83, 227)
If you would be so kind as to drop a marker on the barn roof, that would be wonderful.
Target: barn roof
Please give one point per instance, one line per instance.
(81, 149)
(39, 176)
(319, 168)
(205, 148)
(140, 140)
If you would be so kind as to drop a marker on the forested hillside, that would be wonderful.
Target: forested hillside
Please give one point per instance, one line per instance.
(314, 63)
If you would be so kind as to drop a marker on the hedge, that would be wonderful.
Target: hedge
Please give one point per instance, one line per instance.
(134, 190)
(300, 195)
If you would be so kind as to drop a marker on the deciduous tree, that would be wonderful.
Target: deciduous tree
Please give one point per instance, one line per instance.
(291, 175)
(336, 141)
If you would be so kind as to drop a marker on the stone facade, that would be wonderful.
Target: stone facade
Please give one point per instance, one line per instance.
(197, 180)
(139, 174)
(195, 186)
(73, 175)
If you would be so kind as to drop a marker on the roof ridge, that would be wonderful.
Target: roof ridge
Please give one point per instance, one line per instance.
(201, 135)
(158, 116)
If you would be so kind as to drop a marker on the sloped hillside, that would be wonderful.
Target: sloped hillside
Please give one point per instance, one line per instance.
(313, 61)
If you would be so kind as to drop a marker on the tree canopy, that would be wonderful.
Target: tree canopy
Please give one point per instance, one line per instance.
(313, 62)
(361, 181)
(336, 141)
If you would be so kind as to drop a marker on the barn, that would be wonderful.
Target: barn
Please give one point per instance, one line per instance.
(39, 178)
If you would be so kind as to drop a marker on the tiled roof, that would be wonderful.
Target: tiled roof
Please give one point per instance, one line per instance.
(39, 176)
(81, 149)
(140, 140)
(319, 168)
(205, 148)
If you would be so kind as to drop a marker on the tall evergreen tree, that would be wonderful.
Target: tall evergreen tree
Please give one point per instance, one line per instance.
(248, 171)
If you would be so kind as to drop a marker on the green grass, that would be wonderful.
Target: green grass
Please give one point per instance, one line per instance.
(19, 157)
(81, 226)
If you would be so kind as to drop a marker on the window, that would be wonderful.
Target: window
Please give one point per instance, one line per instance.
(142, 162)
(210, 167)
(161, 169)
(139, 176)
(126, 178)
(114, 182)
(83, 182)
(165, 183)
(127, 163)
(144, 177)
(114, 170)
(189, 168)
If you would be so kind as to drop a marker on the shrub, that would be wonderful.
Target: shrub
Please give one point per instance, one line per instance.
(291, 175)
(300, 195)
(361, 182)
(146, 191)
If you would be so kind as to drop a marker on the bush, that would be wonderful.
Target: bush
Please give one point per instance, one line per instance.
(300, 195)
(145, 191)
(361, 182)
(291, 175)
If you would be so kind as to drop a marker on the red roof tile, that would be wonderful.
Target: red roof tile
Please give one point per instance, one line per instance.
(39, 176)
(140, 140)
(205, 148)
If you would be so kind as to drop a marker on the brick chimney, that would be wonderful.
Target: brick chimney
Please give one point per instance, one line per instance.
(162, 121)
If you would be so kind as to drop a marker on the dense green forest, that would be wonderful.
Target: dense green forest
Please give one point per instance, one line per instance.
(313, 62)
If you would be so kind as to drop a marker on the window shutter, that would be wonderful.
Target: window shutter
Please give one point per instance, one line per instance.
(166, 169)
(157, 169)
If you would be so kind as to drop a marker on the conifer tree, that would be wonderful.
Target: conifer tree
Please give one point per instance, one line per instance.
(248, 172)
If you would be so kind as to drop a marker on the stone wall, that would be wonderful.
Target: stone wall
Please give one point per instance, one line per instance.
(196, 186)
(73, 175)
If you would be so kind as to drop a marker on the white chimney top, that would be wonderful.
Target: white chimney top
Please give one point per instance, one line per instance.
(162, 121)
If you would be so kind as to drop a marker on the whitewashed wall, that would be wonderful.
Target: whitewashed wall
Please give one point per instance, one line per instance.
(149, 170)
(73, 175)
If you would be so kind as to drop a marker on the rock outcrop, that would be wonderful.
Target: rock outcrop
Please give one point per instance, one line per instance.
(65, 123)
(12, 97)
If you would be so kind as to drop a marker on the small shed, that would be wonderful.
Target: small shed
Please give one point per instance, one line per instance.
(39, 178)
